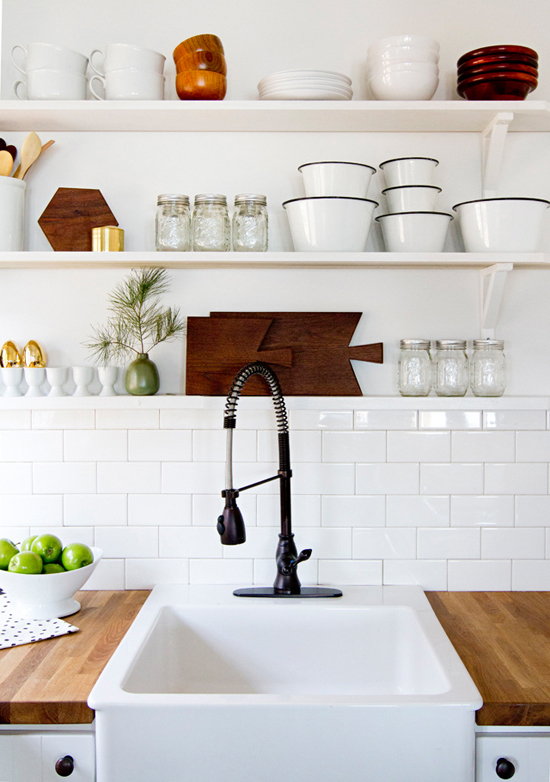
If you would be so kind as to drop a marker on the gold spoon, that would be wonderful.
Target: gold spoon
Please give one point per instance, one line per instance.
(6, 163)
(31, 149)
(45, 146)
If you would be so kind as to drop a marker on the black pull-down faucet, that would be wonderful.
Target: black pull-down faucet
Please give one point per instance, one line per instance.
(231, 524)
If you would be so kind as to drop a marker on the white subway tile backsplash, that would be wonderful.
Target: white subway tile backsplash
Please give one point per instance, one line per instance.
(26, 509)
(29, 446)
(323, 478)
(419, 447)
(191, 419)
(304, 446)
(63, 477)
(531, 574)
(326, 542)
(15, 419)
(342, 511)
(190, 542)
(128, 542)
(532, 511)
(482, 510)
(386, 419)
(209, 445)
(95, 446)
(396, 543)
(532, 447)
(429, 574)
(127, 419)
(480, 575)
(151, 445)
(483, 447)
(509, 543)
(261, 543)
(15, 534)
(358, 572)
(449, 419)
(95, 510)
(387, 478)
(238, 572)
(193, 477)
(314, 419)
(69, 534)
(514, 419)
(448, 543)
(354, 447)
(145, 573)
(417, 511)
(63, 419)
(305, 510)
(109, 574)
(451, 479)
(207, 508)
(522, 478)
(128, 477)
(160, 509)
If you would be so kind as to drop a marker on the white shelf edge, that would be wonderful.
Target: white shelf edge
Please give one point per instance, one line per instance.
(269, 260)
(254, 115)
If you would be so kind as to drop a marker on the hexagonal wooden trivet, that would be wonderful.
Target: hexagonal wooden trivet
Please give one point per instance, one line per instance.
(68, 219)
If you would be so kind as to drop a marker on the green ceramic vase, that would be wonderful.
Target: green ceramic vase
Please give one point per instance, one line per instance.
(142, 377)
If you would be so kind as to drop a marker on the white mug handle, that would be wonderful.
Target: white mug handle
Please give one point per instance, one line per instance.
(92, 66)
(18, 46)
(15, 86)
(94, 93)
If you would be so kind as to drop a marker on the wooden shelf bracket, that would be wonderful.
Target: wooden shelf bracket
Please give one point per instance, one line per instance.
(493, 141)
(492, 283)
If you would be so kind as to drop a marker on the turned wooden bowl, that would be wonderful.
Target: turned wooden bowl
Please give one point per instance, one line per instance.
(202, 61)
(476, 62)
(201, 85)
(497, 87)
(486, 51)
(198, 43)
(516, 67)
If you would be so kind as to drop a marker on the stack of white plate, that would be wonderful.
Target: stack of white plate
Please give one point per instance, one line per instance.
(305, 85)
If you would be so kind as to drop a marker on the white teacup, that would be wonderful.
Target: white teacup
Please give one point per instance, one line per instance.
(125, 55)
(48, 55)
(126, 84)
(51, 84)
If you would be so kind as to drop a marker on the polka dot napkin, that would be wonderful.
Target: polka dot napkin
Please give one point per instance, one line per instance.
(16, 631)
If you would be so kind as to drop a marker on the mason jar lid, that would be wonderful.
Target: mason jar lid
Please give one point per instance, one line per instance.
(450, 344)
(417, 344)
(497, 344)
(172, 198)
(254, 198)
(211, 198)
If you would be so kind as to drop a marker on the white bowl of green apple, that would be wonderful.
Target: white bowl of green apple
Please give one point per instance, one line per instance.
(40, 575)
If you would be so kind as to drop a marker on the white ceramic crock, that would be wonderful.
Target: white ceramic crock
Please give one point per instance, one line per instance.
(12, 214)
(502, 225)
(330, 223)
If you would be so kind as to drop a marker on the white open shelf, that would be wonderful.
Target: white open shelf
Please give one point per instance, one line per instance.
(255, 115)
(269, 260)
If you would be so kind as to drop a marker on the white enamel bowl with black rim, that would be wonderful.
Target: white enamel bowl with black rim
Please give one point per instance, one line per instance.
(409, 171)
(502, 225)
(415, 232)
(412, 198)
(336, 178)
(330, 223)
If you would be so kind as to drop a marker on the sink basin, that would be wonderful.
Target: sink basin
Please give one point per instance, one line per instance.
(207, 687)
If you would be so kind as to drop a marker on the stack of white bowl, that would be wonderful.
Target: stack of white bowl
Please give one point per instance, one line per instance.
(305, 85)
(335, 215)
(403, 67)
(412, 224)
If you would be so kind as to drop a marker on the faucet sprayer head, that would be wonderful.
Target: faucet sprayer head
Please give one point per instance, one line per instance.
(231, 523)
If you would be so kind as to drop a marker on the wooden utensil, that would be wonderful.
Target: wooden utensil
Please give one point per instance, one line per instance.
(45, 146)
(6, 163)
(31, 149)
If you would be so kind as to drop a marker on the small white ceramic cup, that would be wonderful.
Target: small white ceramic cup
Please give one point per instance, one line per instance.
(82, 377)
(412, 198)
(117, 56)
(52, 84)
(409, 171)
(107, 377)
(12, 377)
(34, 377)
(12, 214)
(48, 55)
(126, 84)
(57, 376)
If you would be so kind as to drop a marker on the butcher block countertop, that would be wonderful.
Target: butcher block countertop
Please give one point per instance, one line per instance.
(503, 639)
(48, 682)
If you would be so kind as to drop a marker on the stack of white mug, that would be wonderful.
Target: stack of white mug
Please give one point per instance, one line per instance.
(53, 72)
(129, 73)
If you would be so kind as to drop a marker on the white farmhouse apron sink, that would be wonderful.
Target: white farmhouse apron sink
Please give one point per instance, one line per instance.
(208, 687)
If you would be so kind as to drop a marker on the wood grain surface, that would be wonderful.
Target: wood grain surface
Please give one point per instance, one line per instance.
(68, 219)
(48, 682)
(503, 639)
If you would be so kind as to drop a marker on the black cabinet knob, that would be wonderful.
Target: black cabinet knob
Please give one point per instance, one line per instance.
(65, 766)
(505, 768)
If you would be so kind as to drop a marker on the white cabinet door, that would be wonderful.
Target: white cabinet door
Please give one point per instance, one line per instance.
(80, 746)
(528, 758)
(20, 758)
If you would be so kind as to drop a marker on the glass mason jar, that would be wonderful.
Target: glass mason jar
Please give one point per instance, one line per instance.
(450, 367)
(211, 229)
(173, 223)
(249, 229)
(488, 368)
(414, 369)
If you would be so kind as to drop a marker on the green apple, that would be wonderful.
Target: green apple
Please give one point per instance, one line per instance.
(54, 567)
(25, 562)
(8, 549)
(76, 555)
(26, 545)
(48, 547)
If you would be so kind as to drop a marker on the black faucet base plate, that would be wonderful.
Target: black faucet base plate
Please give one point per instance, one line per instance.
(304, 592)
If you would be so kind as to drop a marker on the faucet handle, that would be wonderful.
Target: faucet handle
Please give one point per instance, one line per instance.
(302, 556)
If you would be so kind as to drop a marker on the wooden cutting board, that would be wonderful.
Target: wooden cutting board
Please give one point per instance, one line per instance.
(308, 351)
(68, 219)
